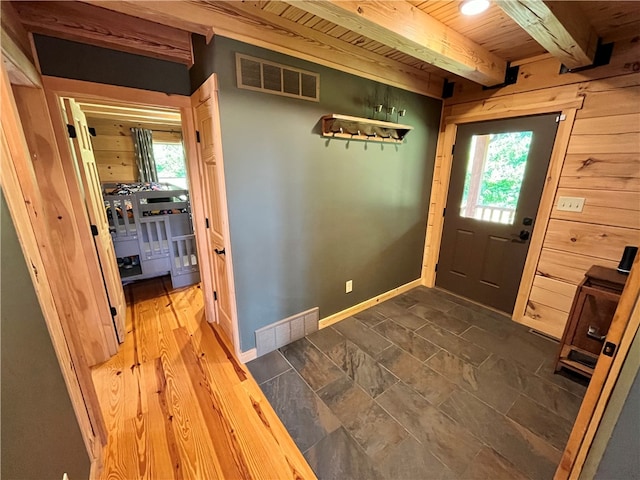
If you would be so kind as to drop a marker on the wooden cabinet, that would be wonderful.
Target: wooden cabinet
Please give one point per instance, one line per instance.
(593, 308)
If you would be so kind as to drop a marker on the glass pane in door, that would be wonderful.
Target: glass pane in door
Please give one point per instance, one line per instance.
(495, 170)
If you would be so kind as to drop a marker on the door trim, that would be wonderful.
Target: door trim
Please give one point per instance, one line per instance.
(442, 174)
(26, 205)
(57, 88)
(209, 90)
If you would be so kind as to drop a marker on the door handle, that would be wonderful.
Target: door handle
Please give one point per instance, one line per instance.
(219, 252)
(523, 236)
(594, 332)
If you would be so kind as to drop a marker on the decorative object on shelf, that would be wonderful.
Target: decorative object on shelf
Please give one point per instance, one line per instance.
(593, 307)
(356, 128)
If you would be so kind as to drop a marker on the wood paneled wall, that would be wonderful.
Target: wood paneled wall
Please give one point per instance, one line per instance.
(602, 165)
(113, 147)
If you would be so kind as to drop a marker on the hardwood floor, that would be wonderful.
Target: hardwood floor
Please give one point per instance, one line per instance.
(178, 404)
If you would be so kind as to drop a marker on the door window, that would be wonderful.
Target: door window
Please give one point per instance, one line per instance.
(495, 170)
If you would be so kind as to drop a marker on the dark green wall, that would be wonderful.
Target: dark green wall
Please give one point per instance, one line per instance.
(79, 61)
(40, 437)
(307, 213)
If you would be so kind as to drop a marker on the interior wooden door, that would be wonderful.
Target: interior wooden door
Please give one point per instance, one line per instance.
(206, 114)
(88, 173)
(498, 173)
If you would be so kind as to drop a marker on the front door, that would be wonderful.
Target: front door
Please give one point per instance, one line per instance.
(88, 173)
(498, 173)
(211, 167)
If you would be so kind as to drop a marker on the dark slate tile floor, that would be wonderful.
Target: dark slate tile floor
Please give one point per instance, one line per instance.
(423, 386)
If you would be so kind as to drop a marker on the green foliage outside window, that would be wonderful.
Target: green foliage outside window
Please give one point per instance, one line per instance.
(503, 169)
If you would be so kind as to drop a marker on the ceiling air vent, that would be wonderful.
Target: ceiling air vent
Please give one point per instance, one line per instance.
(268, 77)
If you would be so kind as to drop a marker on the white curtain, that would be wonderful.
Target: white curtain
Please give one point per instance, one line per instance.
(142, 139)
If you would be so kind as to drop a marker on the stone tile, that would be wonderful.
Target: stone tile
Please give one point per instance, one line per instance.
(541, 421)
(407, 340)
(268, 366)
(490, 465)
(512, 347)
(442, 319)
(337, 456)
(568, 380)
(558, 400)
(409, 320)
(431, 385)
(448, 441)
(365, 338)
(486, 386)
(527, 452)
(453, 344)
(410, 460)
(498, 325)
(370, 317)
(325, 339)
(362, 368)
(389, 309)
(312, 365)
(432, 298)
(364, 419)
(302, 412)
(404, 301)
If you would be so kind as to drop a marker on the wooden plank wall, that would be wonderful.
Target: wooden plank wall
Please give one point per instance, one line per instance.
(602, 165)
(113, 147)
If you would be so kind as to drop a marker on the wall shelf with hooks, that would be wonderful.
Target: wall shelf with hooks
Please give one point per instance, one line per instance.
(356, 128)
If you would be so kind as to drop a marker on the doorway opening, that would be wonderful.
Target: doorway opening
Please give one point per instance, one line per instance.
(131, 164)
(497, 177)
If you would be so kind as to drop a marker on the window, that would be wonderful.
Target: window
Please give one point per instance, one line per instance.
(170, 163)
(495, 171)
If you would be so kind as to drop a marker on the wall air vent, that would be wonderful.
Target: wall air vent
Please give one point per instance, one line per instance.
(268, 77)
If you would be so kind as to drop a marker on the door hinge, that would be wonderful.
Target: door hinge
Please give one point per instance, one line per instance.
(453, 148)
(72, 131)
(92, 131)
(94, 230)
(561, 118)
(114, 312)
(215, 295)
(436, 267)
(198, 136)
(206, 222)
(444, 211)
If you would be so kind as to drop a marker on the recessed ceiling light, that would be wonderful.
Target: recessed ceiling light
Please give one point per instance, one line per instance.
(474, 7)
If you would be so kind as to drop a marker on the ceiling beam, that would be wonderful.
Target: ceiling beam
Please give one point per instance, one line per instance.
(400, 25)
(562, 29)
(247, 22)
(80, 22)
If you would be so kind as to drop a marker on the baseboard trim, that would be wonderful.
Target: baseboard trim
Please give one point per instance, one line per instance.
(249, 355)
(336, 317)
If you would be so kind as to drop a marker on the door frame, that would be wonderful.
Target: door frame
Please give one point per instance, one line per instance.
(57, 88)
(527, 105)
(534, 176)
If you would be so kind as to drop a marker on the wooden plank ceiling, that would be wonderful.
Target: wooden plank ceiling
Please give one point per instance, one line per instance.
(382, 40)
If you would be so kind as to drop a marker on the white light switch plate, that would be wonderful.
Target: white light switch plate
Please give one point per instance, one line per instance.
(570, 204)
(348, 287)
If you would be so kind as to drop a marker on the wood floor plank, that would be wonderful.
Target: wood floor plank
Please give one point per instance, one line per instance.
(179, 405)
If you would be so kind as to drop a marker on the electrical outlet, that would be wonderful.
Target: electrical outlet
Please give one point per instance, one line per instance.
(570, 204)
(348, 287)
